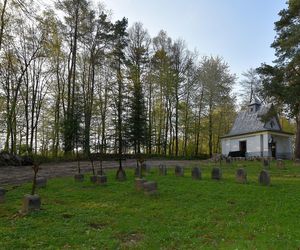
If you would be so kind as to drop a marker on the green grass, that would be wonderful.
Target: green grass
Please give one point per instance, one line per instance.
(187, 214)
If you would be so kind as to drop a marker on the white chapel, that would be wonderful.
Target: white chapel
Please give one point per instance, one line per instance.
(255, 136)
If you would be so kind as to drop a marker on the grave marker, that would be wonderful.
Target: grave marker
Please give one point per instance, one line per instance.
(179, 171)
(41, 182)
(241, 175)
(196, 173)
(216, 173)
(264, 178)
(31, 203)
(162, 169)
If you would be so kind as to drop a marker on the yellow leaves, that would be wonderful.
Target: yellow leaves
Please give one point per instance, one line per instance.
(286, 125)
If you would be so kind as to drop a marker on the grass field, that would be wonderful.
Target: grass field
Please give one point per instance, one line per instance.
(186, 214)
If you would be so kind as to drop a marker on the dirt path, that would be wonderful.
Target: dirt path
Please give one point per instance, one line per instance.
(17, 175)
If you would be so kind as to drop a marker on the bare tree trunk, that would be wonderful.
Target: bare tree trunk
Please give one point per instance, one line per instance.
(88, 96)
(297, 143)
(150, 119)
(217, 144)
(120, 120)
(166, 128)
(57, 112)
(199, 125)
(186, 124)
(176, 118)
(171, 142)
(70, 116)
(210, 129)
(26, 102)
(103, 124)
(160, 121)
(8, 119)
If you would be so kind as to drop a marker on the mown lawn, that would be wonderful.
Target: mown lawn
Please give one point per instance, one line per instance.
(187, 214)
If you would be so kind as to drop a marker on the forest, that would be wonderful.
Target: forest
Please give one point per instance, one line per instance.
(73, 80)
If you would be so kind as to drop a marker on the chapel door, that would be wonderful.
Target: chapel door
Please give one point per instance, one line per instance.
(273, 149)
(243, 147)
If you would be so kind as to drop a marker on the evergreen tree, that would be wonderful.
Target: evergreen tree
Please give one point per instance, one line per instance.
(139, 41)
(118, 61)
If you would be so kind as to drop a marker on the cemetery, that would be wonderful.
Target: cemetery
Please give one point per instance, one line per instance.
(149, 124)
(242, 204)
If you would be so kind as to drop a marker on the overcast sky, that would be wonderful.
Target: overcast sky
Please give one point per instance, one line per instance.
(240, 31)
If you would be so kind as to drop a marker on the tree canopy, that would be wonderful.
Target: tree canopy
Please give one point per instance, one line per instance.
(72, 79)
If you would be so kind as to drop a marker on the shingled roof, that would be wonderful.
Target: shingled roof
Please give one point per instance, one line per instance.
(250, 122)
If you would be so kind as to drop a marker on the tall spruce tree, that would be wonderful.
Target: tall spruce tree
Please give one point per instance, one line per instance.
(138, 46)
(120, 36)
